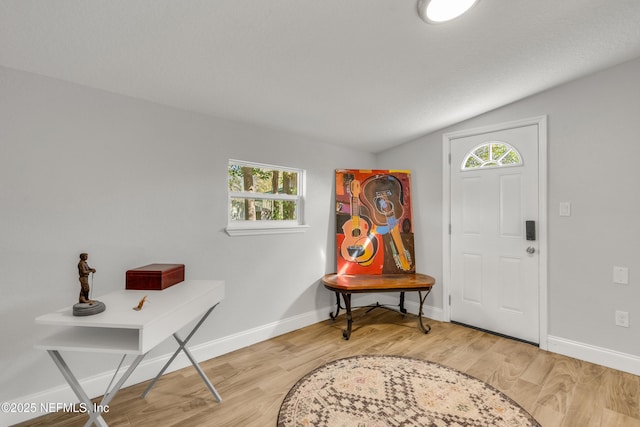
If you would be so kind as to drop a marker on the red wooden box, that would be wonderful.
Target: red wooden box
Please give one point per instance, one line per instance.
(155, 277)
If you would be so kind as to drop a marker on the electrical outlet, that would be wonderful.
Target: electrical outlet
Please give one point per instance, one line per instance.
(622, 319)
(620, 275)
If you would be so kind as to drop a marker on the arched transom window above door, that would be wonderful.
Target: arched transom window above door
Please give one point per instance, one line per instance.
(492, 154)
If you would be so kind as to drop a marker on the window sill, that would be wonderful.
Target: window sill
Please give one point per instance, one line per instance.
(263, 230)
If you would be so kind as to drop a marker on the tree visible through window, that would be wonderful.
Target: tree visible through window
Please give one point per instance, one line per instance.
(492, 154)
(264, 193)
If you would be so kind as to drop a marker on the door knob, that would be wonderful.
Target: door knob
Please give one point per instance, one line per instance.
(531, 250)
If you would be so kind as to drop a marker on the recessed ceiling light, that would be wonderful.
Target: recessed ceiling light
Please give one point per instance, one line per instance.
(436, 11)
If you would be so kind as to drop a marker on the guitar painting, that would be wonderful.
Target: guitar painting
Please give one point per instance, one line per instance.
(373, 222)
(383, 196)
(358, 245)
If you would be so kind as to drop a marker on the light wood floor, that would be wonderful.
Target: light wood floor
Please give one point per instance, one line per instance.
(557, 390)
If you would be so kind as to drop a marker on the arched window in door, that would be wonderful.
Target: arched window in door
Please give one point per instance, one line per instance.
(492, 154)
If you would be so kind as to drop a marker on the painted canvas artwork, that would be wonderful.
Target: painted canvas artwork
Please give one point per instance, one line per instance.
(374, 228)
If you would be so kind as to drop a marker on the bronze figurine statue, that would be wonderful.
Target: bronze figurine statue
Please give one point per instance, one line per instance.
(86, 306)
(84, 270)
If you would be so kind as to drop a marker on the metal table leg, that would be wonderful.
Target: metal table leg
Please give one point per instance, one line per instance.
(183, 347)
(95, 413)
(423, 327)
(334, 315)
(402, 309)
(346, 334)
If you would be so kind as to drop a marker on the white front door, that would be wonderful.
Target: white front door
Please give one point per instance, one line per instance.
(494, 281)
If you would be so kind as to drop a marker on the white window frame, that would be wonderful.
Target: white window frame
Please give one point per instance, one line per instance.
(259, 227)
(491, 163)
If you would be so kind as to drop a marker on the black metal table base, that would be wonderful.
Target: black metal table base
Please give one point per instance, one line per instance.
(346, 296)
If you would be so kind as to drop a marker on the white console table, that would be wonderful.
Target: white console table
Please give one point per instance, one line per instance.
(120, 329)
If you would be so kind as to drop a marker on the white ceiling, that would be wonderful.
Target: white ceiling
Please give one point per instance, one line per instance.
(364, 73)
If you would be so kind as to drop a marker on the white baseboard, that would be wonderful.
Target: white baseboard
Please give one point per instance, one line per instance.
(428, 311)
(598, 355)
(96, 385)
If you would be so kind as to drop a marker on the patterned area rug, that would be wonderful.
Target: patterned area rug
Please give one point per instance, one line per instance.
(377, 391)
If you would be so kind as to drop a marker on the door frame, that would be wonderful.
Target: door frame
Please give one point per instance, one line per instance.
(543, 251)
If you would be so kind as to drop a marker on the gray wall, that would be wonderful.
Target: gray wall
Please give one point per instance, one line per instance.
(132, 183)
(594, 151)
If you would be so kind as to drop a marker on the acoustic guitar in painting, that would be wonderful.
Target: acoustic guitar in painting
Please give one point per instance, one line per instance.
(401, 256)
(383, 197)
(358, 244)
(373, 189)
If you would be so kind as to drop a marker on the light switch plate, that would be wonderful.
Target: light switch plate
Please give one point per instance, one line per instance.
(565, 209)
(620, 275)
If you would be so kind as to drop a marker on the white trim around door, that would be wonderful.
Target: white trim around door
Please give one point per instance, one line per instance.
(541, 123)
